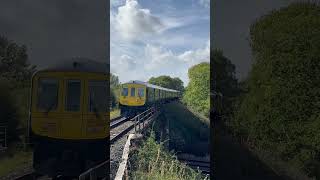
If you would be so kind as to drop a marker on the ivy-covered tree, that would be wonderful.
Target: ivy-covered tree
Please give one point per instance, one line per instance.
(167, 82)
(281, 110)
(197, 93)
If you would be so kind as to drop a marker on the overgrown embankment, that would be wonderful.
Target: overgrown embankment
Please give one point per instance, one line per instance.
(185, 132)
(153, 161)
(188, 133)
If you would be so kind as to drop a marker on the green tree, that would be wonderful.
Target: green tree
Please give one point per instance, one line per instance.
(223, 79)
(15, 76)
(281, 110)
(114, 90)
(14, 65)
(167, 82)
(197, 92)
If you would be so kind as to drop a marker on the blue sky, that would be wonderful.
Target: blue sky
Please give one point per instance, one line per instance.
(150, 38)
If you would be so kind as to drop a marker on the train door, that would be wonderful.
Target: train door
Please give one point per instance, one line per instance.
(96, 103)
(71, 123)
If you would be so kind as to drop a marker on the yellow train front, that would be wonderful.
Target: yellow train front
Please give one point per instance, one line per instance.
(136, 96)
(69, 123)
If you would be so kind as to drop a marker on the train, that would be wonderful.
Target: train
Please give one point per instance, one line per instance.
(136, 96)
(69, 117)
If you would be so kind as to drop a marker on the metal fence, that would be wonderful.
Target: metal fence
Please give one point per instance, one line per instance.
(139, 124)
(140, 119)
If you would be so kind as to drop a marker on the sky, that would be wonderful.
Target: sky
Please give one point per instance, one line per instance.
(158, 37)
(53, 30)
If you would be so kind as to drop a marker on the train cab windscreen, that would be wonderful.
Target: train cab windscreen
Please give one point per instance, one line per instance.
(73, 93)
(98, 96)
(47, 94)
(124, 92)
(133, 92)
(141, 92)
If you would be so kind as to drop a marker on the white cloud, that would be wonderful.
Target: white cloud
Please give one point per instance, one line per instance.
(115, 3)
(162, 61)
(205, 3)
(196, 56)
(132, 21)
(122, 64)
(144, 44)
(158, 57)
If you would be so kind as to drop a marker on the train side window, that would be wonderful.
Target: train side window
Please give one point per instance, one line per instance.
(141, 92)
(48, 94)
(73, 93)
(133, 92)
(124, 92)
(98, 94)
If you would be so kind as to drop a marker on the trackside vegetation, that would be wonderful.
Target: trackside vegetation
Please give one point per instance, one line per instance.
(279, 109)
(153, 162)
(15, 76)
(197, 92)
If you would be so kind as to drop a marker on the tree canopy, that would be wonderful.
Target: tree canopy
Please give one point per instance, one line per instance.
(15, 76)
(197, 92)
(281, 110)
(14, 65)
(114, 90)
(223, 78)
(167, 82)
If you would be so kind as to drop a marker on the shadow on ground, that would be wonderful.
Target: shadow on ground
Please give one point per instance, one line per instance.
(233, 161)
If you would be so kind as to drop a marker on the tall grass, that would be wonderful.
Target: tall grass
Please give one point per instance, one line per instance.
(153, 161)
(114, 113)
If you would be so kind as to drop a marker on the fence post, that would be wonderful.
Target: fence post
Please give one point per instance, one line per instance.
(135, 124)
(139, 122)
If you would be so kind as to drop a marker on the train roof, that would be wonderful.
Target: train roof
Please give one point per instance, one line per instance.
(150, 85)
(78, 64)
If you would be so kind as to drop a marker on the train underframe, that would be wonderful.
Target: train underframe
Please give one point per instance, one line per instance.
(130, 111)
(68, 158)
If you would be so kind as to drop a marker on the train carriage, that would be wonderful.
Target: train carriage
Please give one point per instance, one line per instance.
(69, 124)
(136, 96)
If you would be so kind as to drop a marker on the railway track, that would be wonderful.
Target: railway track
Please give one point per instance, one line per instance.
(202, 165)
(119, 127)
(117, 121)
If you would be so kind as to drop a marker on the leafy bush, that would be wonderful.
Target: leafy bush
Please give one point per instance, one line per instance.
(197, 92)
(281, 110)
